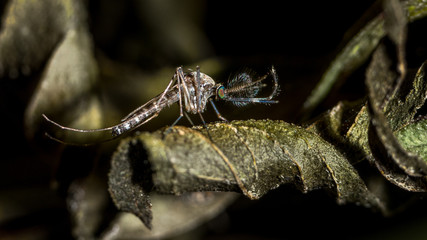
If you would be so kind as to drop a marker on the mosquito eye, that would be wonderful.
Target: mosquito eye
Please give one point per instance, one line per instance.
(220, 92)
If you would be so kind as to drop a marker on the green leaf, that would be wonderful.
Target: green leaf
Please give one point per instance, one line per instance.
(413, 138)
(394, 98)
(346, 126)
(394, 162)
(250, 157)
(357, 51)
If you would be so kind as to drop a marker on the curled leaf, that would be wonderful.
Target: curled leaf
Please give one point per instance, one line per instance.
(356, 51)
(173, 215)
(30, 31)
(394, 99)
(349, 59)
(394, 162)
(70, 72)
(250, 157)
(130, 190)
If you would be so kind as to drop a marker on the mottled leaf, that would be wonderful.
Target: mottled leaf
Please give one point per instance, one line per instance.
(251, 157)
(129, 189)
(404, 103)
(413, 138)
(392, 106)
(346, 126)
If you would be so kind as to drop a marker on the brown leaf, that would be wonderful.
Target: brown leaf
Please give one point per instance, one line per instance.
(251, 157)
(31, 30)
(392, 106)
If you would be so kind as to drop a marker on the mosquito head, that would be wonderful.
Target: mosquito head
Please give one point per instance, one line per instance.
(244, 87)
(220, 92)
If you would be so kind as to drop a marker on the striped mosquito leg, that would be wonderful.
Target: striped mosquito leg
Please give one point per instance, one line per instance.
(185, 93)
(205, 126)
(252, 100)
(179, 79)
(169, 85)
(175, 122)
(188, 118)
(199, 94)
(217, 112)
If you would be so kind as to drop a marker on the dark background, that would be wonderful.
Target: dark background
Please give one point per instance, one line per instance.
(299, 38)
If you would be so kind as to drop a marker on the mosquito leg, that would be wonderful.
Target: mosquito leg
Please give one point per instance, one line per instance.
(167, 131)
(205, 126)
(217, 112)
(179, 78)
(189, 119)
(174, 123)
(203, 121)
(252, 100)
(186, 95)
(177, 120)
(198, 93)
(180, 82)
(276, 83)
(133, 113)
(169, 85)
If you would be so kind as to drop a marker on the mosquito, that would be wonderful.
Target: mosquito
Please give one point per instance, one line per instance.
(192, 91)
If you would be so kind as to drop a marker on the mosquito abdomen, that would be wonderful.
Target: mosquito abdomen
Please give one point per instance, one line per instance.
(134, 121)
(145, 114)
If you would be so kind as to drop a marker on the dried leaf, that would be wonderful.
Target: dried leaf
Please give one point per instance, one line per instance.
(359, 49)
(392, 106)
(130, 190)
(34, 32)
(87, 200)
(404, 103)
(251, 157)
(32, 29)
(346, 126)
(349, 59)
(68, 77)
(395, 22)
(393, 102)
(173, 215)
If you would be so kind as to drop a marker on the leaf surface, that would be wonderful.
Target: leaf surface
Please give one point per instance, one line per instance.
(250, 157)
